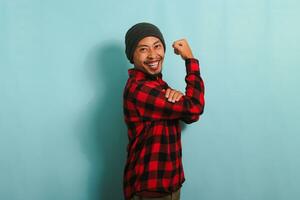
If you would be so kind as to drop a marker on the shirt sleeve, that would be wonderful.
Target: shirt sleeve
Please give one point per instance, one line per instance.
(151, 103)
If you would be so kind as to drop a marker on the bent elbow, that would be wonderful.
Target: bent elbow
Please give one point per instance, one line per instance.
(198, 109)
(201, 109)
(191, 119)
(194, 113)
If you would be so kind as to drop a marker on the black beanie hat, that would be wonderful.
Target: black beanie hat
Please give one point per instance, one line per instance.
(137, 33)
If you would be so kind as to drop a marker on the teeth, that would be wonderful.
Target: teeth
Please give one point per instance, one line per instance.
(153, 65)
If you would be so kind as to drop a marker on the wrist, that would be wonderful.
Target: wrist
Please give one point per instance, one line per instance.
(190, 56)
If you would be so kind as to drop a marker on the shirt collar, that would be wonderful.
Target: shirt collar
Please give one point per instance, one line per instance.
(141, 75)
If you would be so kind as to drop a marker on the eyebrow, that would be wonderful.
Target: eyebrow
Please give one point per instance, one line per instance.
(143, 45)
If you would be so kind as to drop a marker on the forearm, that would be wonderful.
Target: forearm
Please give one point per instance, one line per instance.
(194, 93)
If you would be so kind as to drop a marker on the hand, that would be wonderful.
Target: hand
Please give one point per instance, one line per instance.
(173, 95)
(182, 48)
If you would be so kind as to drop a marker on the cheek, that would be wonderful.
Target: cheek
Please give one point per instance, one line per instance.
(136, 57)
(161, 53)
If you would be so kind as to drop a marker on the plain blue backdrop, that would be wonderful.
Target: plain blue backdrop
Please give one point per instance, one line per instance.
(63, 69)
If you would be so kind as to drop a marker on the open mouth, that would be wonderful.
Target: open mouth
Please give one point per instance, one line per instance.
(153, 65)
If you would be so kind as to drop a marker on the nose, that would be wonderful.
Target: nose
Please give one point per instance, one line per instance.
(151, 54)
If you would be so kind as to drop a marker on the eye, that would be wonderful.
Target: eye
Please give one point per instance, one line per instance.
(142, 49)
(157, 46)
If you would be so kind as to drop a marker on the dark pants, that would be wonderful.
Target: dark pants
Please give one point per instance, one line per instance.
(173, 196)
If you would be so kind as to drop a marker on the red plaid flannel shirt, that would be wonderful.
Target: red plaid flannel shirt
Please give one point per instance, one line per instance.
(154, 150)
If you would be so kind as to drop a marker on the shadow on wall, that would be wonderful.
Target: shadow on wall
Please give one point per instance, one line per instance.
(101, 129)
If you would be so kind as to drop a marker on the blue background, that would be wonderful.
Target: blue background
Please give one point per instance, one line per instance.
(63, 69)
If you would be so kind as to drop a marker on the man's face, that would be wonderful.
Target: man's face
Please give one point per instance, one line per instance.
(149, 55)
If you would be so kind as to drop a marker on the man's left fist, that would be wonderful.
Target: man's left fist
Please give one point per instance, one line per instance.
(182, 48)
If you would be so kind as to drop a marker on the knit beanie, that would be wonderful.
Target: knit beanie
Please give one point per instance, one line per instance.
(137, 33)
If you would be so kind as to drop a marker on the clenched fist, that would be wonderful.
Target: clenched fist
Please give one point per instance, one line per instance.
(182, 48)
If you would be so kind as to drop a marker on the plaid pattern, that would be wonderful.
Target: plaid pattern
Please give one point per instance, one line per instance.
(154, 149)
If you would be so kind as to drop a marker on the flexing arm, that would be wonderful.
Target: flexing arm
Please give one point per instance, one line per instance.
(150, 100)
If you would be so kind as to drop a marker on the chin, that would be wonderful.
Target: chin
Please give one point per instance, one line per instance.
(154, 71)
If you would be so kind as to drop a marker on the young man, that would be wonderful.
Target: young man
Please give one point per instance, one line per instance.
(152, 111)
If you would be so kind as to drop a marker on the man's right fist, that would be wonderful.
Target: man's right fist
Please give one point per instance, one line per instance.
(182, 48)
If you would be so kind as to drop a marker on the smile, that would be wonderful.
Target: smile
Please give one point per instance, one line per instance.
(153, 65)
